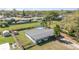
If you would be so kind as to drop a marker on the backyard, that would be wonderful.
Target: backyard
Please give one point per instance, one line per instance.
(21, 35)
(23, 39)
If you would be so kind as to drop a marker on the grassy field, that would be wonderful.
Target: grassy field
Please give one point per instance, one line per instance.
(24, 40)
(5, 40)
(20, 36)
(20, 26)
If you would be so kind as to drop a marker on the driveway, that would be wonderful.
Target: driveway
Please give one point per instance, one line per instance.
(74, 45)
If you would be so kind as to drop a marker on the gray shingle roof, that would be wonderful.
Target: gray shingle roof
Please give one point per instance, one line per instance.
(40, 33)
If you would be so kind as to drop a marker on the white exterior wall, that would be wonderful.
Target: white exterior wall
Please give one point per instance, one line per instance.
(31, 39)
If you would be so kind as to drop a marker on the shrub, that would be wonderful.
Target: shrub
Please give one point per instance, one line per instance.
(2, 25)
(57, 30)
(72, 34)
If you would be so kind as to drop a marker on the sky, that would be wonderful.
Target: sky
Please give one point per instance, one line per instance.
(46, 8)
(39, 4)
(39, 8)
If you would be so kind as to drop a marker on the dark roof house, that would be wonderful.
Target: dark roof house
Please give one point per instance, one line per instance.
(37, 35)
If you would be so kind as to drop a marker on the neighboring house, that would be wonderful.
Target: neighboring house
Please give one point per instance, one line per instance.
(61, 16)
(9, 19)
(28, 16)
(22, 21)
(40, 34)
(1, 17)
(37, 18)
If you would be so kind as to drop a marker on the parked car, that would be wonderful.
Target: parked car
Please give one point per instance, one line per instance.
(63, 40)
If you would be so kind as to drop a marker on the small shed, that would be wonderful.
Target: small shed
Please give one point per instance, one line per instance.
(39, 35)
(6, 33)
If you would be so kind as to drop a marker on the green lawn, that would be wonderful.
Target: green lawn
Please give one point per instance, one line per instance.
(6, 39)
(24, 40)
(20, 26)
(21, 35)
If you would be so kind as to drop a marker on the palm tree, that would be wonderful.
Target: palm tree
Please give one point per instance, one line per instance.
(48, 19)
(14, 12)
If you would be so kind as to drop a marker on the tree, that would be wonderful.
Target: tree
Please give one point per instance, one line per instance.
(50, 17)
(77, 29)
(44, 23)
(2, 25)
(14, 12)
(57, 30)
(11, 21)
(70, 23)
(24, 13)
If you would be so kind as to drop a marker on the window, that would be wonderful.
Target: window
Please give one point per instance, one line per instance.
(39, 41)
(45, 39)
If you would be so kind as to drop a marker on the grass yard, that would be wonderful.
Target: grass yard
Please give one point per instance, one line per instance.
(21, 35)
(6, 39)
(20, 26)
(24, 40)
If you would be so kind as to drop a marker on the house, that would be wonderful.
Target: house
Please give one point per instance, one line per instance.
(60, 16)
(1, 17)
(22, 21)
(39, 35)
(5, 46)
(10, 19)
